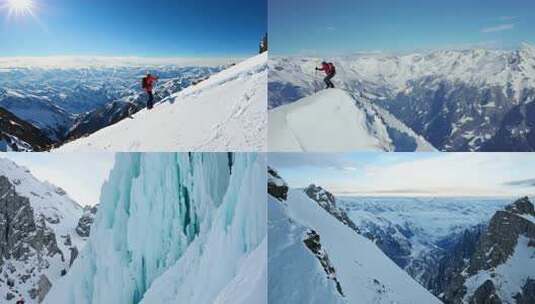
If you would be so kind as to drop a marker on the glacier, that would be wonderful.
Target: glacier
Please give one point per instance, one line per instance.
(175, 228)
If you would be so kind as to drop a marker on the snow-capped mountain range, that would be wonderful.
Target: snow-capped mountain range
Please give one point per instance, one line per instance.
(453, 246)
(458, 100)
(41, 234)
(62, 101)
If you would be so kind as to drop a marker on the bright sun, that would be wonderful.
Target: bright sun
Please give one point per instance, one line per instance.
(20, 7)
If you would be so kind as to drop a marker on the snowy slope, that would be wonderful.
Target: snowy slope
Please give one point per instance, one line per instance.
(224, 112)
(364, 273)
(40, 240)
(332, 120)
(175, 228)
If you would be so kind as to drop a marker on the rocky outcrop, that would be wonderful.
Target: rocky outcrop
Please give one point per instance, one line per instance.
(24, 238)
(327, 201)
(84, 224)
(19, 135)
(313, 243)
(498, 244)
(486, 294)
(277, 187)
(493, 248)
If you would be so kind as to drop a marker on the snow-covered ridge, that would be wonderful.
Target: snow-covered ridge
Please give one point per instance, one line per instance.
(332, 120)
(175, 228)
(226, 112)
(358, 272)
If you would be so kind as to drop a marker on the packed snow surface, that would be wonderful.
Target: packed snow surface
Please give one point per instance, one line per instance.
(365, 274)
(226, 112)
(332, 120)
(175, 228)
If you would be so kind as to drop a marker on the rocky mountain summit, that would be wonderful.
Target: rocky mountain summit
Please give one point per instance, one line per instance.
(39, 236)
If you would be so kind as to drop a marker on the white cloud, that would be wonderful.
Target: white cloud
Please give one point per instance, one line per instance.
(455, 174)
(498, 28)
(507, 18)
(318, 160)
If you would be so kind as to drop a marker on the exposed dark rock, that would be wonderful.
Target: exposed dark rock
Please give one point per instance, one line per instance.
(86, 220)
(528, 293)
(485, 294)
(327, 201)
(312, 242)
(277, 187)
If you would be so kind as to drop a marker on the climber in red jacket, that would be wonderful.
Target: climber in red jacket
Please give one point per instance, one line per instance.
(330, 71)
(147, 84)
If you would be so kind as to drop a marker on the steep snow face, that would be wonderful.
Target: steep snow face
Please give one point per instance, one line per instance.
(224, 112)
(332, 120)
(471, 100)
(175, 228)
(38, 222)
(342, 266)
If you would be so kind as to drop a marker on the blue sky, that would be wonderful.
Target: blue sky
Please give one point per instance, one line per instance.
(80, 174)
(193, 28)
(397, 26)
(411, 174)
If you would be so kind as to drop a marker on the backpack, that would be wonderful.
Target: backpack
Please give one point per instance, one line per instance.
(332, 68)
(144, 84)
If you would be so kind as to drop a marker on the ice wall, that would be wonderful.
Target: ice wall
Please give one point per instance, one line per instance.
(172, 228)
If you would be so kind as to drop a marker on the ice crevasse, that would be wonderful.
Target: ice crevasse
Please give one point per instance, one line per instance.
(175, 228)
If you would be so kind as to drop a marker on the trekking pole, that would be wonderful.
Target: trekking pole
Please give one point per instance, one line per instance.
(315, 81)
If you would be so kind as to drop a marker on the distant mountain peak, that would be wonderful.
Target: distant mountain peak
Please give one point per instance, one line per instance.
(521, 206)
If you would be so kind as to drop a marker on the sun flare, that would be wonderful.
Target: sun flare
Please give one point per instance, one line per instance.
(20, 7)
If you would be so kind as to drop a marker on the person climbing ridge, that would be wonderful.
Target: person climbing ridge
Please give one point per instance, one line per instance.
(330, 71)
(147, 84)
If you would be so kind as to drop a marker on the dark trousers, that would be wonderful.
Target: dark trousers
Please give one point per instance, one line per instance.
(328, 81)
(150, 102)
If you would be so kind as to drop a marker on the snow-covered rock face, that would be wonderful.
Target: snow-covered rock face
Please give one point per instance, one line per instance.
(333, 120)
(503, 264)
(341, 266)
(65, 102)
(467, 100)
(39, 243)
(175, 228)
(226, 112)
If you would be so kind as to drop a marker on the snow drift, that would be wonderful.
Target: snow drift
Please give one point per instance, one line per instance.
(175, 228)
(226, 112)
(332, 120)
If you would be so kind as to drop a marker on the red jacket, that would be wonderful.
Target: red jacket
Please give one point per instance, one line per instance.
(149, 83)
(326, 67)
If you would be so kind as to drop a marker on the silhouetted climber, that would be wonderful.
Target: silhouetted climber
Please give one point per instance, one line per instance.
(147, 83)
(330, 71)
